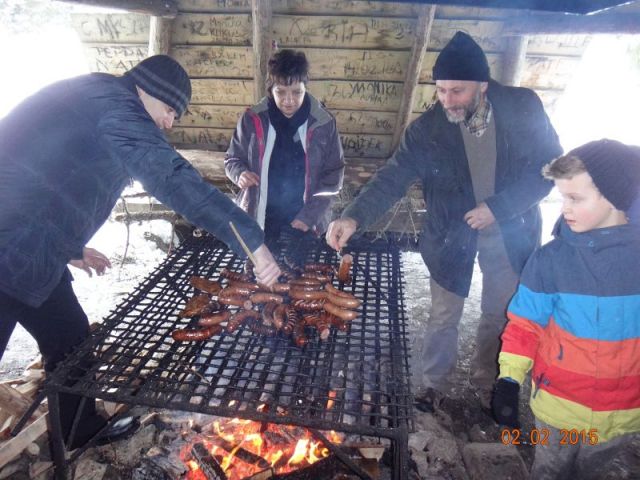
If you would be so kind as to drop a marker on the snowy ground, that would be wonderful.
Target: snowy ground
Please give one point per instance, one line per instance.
(99, 295)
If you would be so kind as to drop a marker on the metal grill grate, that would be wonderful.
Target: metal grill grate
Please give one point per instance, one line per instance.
(363, 372)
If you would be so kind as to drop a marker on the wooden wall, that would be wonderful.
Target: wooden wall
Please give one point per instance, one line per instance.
(359, 53)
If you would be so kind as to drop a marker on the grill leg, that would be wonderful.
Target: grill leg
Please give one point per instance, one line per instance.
(400, 448)
(55, 438)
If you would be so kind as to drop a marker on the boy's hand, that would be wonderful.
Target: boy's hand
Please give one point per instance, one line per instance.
(505, 402)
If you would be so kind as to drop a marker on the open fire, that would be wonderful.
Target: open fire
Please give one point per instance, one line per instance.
(243, 448)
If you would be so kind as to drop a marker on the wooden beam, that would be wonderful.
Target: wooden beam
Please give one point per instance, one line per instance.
(421, 40)
(514, 60)
(573, 24)
(157, 8)
(159, 35)
(261, 14)
(13, 447)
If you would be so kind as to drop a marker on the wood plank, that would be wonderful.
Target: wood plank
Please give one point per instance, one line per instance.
(159, 36)
(360, 121)
(212, 116)
(347, 31)
(354, 64)
(14, 446)
(225, 92)
(215, 61)
(425, 22)
(451, 12)
(261, 38)
(487, 33)
(212, 29)
(12, 401)
(157, 8)
(494, 60)
(222, 6)
(514, 60)
(608, 23)
(354, 95)
(425, 96)
(114, 59)
(553, 73)
(567, 45)
(203, 138)
(366, 145)
(111, 28)
(345, 7)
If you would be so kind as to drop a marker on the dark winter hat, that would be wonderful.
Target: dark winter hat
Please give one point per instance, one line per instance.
(165, 79)
(461, 59)
(614, 168)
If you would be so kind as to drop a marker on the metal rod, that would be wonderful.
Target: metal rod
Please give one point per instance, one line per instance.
(341, 455)
(55, 437)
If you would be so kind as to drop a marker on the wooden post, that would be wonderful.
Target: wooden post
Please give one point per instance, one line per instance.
(159, 35)
(261, 21)
(514, 60)
(423, 32)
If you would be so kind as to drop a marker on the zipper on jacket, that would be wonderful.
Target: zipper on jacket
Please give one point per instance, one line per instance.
(538, 382)
(561, 354)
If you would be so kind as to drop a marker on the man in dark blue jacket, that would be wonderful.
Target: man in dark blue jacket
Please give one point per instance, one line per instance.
(478, 152)
(66, 154)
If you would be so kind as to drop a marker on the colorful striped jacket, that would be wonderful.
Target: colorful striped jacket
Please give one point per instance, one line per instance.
(576, 320)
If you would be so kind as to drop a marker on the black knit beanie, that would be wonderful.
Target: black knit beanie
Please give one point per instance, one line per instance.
(461, 59)
(614, 168)
(165, 79)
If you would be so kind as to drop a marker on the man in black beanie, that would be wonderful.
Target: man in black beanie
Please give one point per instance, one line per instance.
(66, 154)
(478, 151)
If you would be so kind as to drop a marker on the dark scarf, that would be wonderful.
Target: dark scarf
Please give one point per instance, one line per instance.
(286, 168)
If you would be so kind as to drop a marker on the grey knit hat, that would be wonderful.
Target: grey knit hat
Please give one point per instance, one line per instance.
(461, 59)
(614, 168)
(165, 79)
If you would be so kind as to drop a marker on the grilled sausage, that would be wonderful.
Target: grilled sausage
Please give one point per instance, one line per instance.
(341, 313)
(260, 328)
(309, 305)
(344, 271)
(299, 294)
(195, 334)
(280, 287)
(264, 297)
(267, 313)
(239, 318)
(340, 298)
(234, 276)
(292, 319)
(205, 285)
(237, 301)
(214, 318)
(279, 316)
(321, 277)
(318, 267)
(299, 336)
(195, 305)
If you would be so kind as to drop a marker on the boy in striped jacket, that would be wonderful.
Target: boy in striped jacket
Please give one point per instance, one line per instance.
(575, 321)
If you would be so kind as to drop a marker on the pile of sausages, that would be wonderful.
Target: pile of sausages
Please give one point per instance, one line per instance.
(302, 299)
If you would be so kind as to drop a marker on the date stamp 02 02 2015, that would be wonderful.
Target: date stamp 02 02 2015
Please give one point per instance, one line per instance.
(535, 436)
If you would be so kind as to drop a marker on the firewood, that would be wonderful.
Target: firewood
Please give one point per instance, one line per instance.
(12, 401)
(14, 447)
(38, 468)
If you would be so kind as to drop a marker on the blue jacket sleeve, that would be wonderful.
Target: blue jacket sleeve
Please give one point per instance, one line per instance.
(129, 135)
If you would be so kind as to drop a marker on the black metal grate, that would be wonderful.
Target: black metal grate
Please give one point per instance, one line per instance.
(363, 372)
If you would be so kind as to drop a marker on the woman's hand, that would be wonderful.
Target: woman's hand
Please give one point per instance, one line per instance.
(248, 179)
(92, 259)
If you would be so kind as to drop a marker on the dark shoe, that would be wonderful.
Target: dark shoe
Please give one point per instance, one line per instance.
(122, 429)
(428, 400)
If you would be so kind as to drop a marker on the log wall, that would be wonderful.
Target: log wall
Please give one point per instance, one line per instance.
(359, 53)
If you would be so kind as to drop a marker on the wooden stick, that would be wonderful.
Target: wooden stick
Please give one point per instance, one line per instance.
(244, 245)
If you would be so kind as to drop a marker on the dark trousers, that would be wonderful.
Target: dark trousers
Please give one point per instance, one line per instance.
(58, 325)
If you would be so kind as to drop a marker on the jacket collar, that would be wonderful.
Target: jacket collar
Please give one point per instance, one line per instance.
(597, 239)
(318, 116)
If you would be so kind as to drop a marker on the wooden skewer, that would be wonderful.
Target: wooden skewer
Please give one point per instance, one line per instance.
(244, 245)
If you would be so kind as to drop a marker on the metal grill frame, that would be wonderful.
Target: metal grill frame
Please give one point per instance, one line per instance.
(136, 361)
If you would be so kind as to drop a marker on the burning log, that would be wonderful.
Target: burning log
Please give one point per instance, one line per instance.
(242, 453)
(207, 463)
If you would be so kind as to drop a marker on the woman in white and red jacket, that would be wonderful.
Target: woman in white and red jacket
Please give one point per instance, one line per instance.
(286, 155)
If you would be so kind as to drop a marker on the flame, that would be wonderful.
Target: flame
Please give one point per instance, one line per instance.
(284, 447)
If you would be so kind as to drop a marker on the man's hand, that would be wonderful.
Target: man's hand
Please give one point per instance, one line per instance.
(299, 225)
(266, 270)
(340, 231)
(248, 179)
(92, 259)
(480, 217)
